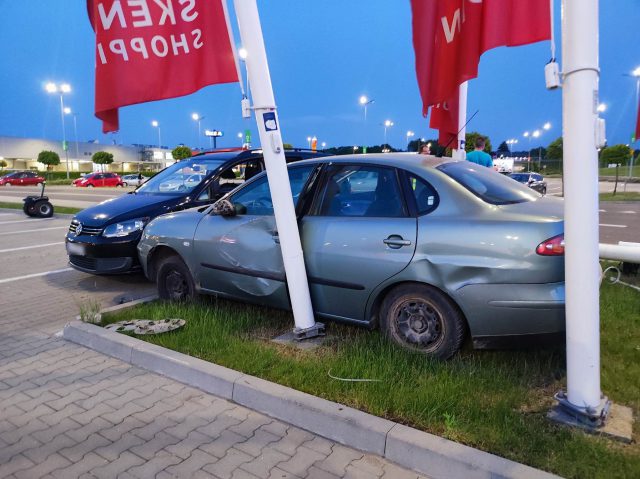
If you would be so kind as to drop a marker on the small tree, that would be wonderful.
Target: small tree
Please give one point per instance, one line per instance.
(616, 154)
(503, 149)
(555, 150)
(181, 152)
(471, 138)
(3, 165)
(48, 158)
(102, 158)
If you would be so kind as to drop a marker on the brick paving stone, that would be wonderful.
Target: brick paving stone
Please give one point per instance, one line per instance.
(301, 461)
(186, 447)
(149, 448)
(277, 473)
(356, 473)
(370, 464)
(293, 439)
(42, 452)
(223, 443)
(83, 432)
(262, 465)
(113, 450)
(121, 413)
(152, 467)
(254, 445)
(12, 435)
(224, 467)
(65, 425)
(72, 410)
(215, 428)
(125, 462)
(336, 463)
(315, 473)
(391, 471)
(253, 421)
(52, 462)
(130, 424)
(320, 445)
(78, 451)
(241, 474)
(25, 443)
(74, 397)
(155, 426)
(15, 463)
(196, 461)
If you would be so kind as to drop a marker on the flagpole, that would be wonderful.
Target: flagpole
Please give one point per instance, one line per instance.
(583, 399)
(460, 152)
(273, 151)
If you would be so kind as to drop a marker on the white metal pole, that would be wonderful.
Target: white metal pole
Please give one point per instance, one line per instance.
(460, 152)
(273, 150)
(64, 134)
(75, 132)
(582, 269)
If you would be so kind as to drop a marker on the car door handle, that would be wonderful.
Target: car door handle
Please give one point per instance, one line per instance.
(396, 241)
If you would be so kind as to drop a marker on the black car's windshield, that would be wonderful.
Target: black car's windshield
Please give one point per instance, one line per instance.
(181, 177)
(487, 184)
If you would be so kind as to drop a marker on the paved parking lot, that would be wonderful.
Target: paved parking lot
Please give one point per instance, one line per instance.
(70, 412)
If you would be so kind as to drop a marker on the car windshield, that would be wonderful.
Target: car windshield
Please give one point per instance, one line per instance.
(487, 184)
(181, 177)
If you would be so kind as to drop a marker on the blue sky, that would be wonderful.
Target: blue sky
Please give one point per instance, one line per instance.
(323, 55)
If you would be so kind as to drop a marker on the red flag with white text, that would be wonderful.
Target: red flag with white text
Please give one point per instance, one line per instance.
(150, 50)
(449, 36)
(444, 118)
(638, 124)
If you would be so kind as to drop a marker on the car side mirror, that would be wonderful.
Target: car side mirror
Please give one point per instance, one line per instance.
(227, 208)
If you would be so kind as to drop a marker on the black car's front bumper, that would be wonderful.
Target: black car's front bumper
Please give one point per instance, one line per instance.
(99, 255)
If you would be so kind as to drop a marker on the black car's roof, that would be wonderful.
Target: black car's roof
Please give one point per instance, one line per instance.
(233, 154)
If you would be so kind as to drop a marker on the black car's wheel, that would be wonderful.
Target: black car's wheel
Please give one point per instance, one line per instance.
(43, 209)
(422, 319)
(544, 191)
(174, 280)
(125, 184)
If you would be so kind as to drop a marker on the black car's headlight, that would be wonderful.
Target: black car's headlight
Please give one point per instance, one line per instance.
(124, 228)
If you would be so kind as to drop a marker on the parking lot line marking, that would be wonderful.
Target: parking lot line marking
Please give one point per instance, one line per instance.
(33, 231)
(24, 221)
(629, 212)
(602, 211)
(30, 247)
(613, 226)
(35, 275)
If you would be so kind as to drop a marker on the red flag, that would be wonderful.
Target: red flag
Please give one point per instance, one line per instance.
(449, 36)
(444, 118)
(150, 50)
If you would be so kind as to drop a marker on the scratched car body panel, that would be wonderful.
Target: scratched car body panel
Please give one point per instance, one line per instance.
(373, 226)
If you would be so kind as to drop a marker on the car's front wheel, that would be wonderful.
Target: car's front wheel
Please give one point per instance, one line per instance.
(89, 185)
(422, 319)
(174, 280)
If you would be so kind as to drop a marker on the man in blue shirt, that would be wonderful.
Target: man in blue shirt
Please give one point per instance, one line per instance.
(479, 156)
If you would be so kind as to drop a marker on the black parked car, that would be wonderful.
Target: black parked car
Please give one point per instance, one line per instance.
(534, 181)
(102, 239)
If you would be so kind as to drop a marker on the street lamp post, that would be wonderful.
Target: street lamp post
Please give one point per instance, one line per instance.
(61, 89)
(386, 124)
(67, 111)
(199, 119)
(364, 101)
(155, 124)
(410, 134)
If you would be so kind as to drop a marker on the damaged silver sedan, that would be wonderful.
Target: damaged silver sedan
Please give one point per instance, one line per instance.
(428, 249)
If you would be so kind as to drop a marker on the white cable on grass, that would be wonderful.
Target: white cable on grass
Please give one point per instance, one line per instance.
(351, 380)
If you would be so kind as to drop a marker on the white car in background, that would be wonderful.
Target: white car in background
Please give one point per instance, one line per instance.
(133, 180)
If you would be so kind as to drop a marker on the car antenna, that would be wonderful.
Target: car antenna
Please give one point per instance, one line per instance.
(444, 148)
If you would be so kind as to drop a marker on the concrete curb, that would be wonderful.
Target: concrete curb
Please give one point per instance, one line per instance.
(407, 447)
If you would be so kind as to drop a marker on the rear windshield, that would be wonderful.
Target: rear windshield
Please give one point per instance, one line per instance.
(488, 184)
(520, 177)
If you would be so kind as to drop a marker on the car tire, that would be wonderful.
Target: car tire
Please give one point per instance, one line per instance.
(544, 191)
(422, 319)
(89, 185)
(125, 184)
(174, 280)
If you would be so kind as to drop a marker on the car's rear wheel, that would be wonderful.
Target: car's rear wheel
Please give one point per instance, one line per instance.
(125, 184)
(544, 191)
(422, 319)
(174, 280)
(89, 185)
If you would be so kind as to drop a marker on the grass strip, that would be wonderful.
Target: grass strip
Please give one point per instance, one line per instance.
(492, 400)
(620, 196)
(58, 209)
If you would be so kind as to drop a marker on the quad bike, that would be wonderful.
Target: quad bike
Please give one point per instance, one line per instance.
(38, 206)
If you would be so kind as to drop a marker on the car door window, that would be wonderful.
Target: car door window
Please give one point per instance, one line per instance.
(256, 197)
(356, 190)
(425, 195)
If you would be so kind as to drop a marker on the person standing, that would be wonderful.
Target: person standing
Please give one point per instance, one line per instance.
(479, 156)
(425, 149)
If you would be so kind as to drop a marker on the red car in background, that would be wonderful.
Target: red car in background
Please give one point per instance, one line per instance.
(99, 179)
(21, 178)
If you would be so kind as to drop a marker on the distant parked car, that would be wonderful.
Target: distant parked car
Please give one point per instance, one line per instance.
(429, 251)
(133, 180)
(99, 179)
(534, 181)
(21, 178)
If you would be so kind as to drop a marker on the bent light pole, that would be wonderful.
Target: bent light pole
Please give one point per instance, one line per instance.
(273, 150)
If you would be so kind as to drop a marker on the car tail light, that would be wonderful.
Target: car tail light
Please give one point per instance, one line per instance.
(552, 247)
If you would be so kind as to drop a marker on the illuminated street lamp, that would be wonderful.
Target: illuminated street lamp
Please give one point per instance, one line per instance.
(198, 118)
(364, 101)
(410, 134)
(155, 124)
(386, 124)
(309, 142)
(324, 145)
(602, 107)
(61, 89)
